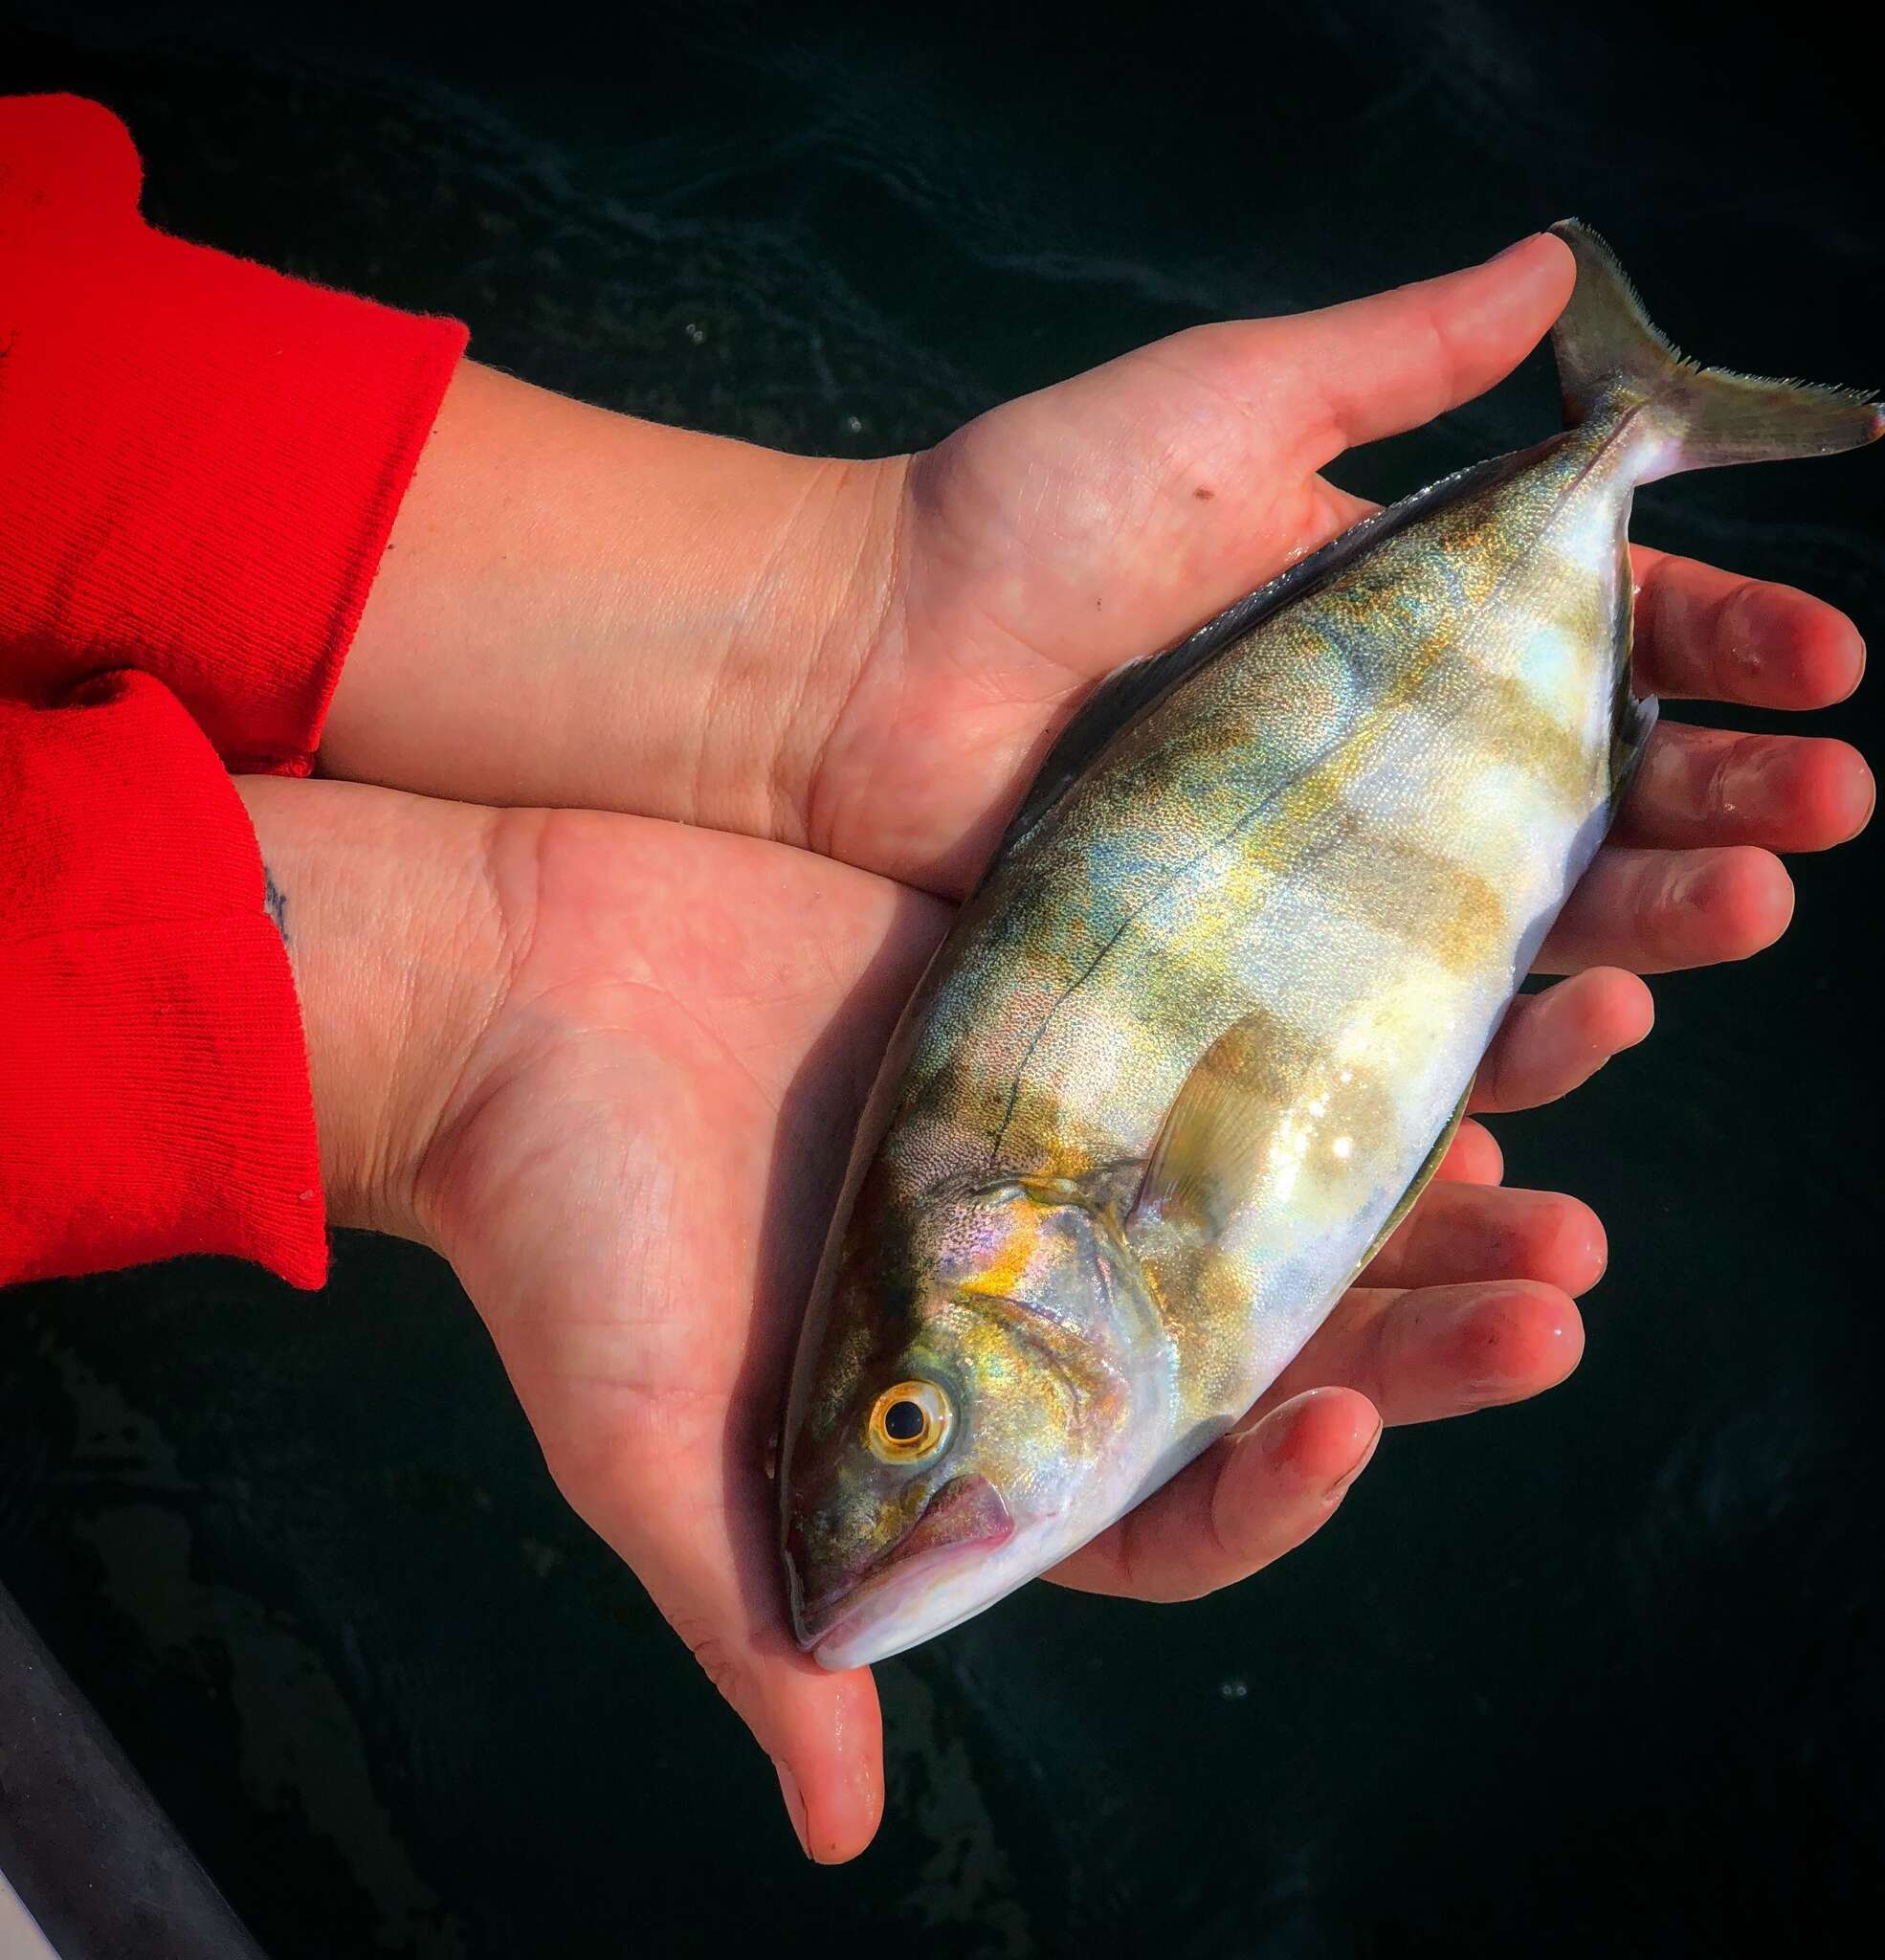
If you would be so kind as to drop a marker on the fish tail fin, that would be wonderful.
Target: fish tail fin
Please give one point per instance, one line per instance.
(1611, 359)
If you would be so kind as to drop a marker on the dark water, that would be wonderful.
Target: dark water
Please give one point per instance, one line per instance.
(1598, 1672)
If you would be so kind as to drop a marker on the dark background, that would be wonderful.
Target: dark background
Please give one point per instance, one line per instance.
(1596, 1673)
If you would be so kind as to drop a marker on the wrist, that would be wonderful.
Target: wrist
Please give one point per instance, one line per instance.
(398, 952)
(581, 609)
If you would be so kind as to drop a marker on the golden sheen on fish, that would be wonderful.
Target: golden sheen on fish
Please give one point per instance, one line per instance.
(1207, 1024)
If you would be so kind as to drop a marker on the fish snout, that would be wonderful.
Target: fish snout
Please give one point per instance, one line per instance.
(837, 1601)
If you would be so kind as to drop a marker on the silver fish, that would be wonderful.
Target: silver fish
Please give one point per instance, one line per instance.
(1208, 1025)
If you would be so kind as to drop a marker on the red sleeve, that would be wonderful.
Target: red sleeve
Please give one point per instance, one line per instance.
(200, 458)
(153, 1082)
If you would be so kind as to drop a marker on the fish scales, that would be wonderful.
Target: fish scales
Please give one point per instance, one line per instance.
(1274, 872)
(1209, 1019)
(1178, 875)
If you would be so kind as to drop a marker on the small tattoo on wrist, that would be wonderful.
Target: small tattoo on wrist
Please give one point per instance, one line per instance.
(276, 902)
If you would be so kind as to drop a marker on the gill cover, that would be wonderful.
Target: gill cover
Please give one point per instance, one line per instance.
(937, 1466)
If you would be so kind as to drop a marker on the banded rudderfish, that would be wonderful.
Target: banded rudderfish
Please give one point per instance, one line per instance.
(1209, 1022)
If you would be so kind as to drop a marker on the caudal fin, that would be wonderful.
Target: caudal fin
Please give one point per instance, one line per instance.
(1611, 359)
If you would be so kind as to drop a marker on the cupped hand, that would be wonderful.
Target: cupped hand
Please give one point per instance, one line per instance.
(866, 658)
(1061, 534)
(610, 1068)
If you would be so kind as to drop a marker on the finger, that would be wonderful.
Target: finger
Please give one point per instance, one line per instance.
(1372, 368)
(826, 1741)
(1464, 1231)
(823, 1731)
(1660, 911)
(1440, 1350)
(1248, 1500)
(1551, 1043)
(825, 1735)
(1711, 634)
(1472, 1158)
(1716, 786)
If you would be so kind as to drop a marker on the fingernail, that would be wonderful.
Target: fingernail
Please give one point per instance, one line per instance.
(794, 1805)
(1339, 1486)
(1517, 245)
(1690, 891)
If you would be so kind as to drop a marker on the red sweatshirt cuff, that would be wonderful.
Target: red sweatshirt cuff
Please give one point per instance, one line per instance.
(200, 458)
(153, 1074)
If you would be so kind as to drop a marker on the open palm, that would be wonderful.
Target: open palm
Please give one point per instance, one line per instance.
(635, 1167)
(633, 1176)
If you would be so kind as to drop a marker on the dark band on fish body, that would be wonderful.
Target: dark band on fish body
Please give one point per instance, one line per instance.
(1231, 923)
(1424, 900)
(1132, 691)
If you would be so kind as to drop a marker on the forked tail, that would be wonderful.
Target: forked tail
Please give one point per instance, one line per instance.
(1612, 360)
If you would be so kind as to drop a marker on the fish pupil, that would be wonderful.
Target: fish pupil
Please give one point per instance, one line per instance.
(903, 1422)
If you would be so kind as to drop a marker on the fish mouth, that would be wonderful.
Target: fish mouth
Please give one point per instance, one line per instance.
(965, 1515)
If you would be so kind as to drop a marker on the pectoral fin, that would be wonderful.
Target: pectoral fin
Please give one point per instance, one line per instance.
(1216, 1138)
(1259, 1109)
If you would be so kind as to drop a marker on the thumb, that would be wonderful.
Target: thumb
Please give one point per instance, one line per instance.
(825, 1734)
(1371, 367)
(1203, 450)
(824, 1731)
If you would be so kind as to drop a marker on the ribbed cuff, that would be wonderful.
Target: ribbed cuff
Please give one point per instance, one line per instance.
(154, 1091)
(200, 458)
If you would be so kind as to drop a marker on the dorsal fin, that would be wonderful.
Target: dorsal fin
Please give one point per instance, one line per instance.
(1134, 690)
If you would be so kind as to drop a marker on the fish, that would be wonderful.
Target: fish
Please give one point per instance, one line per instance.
(1209, 1020)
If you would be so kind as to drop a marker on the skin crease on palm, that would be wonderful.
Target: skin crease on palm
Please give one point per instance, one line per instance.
(608, 1063)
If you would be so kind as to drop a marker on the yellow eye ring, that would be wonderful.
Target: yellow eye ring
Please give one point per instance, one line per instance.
(908, 1422)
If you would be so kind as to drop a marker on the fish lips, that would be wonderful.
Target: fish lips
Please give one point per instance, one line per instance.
(964, 1515)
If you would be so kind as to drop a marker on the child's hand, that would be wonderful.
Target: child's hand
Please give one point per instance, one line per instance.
(866, 658)
(610, 1068)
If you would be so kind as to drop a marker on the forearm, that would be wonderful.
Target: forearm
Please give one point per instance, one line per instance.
(200, 458)
(581, 607)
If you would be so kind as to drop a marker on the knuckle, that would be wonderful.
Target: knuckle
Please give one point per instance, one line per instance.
(1737, 624)
(715, 1653)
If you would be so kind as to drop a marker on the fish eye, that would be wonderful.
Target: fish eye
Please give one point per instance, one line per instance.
(908, 1422)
